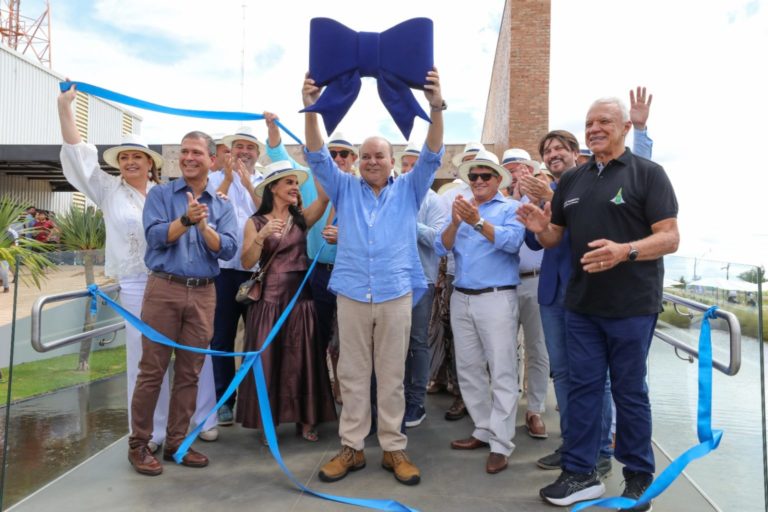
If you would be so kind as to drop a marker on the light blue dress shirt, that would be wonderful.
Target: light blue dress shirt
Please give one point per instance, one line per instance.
(642, 144)
(189, 256)
(308, 190)
(480, 263)
(432, 217)
(377, 259)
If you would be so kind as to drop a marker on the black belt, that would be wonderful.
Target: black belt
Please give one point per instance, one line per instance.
(190, 282)
(467, 291)
(530, 274)
(327, 266)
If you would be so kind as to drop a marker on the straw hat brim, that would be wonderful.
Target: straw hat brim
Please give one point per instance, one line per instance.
(111, 154)
(301, 175)
(506, 177)
(230, 139)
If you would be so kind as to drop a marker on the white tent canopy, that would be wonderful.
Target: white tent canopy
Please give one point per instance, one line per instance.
(725, 284)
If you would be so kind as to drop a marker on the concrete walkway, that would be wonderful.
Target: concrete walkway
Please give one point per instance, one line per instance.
(243, 476)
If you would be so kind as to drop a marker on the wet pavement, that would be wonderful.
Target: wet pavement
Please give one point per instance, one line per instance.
(51, 434)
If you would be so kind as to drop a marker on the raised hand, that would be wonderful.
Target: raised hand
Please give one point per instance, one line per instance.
(309, 92)
(640, 107)
(432, 90)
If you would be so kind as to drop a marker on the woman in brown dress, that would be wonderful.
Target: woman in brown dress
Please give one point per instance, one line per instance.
(294, 367)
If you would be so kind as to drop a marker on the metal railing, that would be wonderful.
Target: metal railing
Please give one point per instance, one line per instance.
(734, 328)
(37, 317)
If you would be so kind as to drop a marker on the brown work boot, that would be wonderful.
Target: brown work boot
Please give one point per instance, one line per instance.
(404, 470)
(143, 461)
(192, 459)
(348, 459)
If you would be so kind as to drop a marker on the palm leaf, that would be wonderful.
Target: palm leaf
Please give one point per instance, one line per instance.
(27, 251)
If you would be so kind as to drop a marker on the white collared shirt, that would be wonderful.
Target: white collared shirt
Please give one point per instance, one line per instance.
(121, 204)
(242, 203)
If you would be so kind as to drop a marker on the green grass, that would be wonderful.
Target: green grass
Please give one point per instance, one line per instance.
(41, 377)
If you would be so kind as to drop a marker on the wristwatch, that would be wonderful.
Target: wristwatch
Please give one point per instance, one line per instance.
(185, 221)
(633, 253)
(479, 225)
(438, 108)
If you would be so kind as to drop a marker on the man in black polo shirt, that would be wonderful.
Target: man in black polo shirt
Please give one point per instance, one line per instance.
(621, 212)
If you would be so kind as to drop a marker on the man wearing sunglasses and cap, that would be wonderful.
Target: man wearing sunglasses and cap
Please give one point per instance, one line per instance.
(485, 237)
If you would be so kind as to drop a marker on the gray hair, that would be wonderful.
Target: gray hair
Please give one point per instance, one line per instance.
(204, 137)
(613, 100)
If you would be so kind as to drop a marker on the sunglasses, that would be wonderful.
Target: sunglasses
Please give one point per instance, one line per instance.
(485, 177)
(344, 153)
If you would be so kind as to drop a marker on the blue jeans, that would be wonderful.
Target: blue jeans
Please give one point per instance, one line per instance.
(225, 319)
(417, 361)
(553, 322)
(594, 345)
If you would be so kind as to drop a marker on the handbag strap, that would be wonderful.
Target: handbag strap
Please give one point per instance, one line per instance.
(263, 270)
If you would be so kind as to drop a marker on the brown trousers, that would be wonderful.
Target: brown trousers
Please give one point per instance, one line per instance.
(185, 315)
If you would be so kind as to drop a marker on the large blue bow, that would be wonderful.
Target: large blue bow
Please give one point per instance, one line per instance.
(399, 58)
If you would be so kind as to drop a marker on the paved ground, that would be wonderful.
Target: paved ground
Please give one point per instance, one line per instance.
(243, 476)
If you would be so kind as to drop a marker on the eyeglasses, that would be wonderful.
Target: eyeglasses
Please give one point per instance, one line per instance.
(344, 153)
(486, 177)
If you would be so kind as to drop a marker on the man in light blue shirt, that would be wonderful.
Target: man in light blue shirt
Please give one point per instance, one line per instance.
(485, 237)
(377, 278)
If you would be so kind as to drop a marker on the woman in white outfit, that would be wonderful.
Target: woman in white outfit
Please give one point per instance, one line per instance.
(121, 198)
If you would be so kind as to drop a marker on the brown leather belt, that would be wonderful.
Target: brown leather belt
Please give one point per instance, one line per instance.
(189, 282)
(530, 274)
(467, 291)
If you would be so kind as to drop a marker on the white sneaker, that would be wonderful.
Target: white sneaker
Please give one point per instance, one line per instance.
(209, 435)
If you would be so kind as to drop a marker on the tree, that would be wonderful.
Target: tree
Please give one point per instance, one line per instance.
(753, 275)
(27, 251)
(84, 231)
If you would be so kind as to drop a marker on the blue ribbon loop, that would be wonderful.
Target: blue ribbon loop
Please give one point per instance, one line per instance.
(154, 107)
(399, 58)
(251, 362)
(709, 439)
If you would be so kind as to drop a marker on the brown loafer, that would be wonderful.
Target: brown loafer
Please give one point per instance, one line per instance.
(192, 459)
(535, 425)
(496, 463)
(470, 443)
(457, 410)
(143, 461)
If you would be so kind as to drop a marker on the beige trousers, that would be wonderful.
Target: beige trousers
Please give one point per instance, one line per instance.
(373, 337)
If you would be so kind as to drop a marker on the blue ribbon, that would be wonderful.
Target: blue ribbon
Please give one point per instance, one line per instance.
(708, 439)
(154, 107)
(399, 58)
(251, 362)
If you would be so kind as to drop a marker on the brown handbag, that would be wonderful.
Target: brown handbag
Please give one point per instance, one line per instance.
(250, 291)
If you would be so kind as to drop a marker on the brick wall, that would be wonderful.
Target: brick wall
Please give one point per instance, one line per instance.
(517, 112)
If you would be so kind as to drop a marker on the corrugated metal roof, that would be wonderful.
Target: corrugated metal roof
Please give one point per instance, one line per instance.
(28, 94)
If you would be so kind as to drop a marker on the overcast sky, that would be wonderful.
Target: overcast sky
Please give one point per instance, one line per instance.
(703, 61)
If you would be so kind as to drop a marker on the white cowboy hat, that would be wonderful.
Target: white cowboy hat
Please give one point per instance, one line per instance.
(338, 140)
(486, 159)
(412, 149)
(242, 133)
(470, 149)
(517, 155)
(277, 170)
(132, 142)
